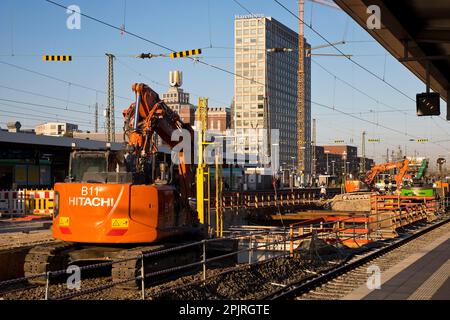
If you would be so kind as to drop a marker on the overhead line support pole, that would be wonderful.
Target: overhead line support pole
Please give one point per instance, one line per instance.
(110, 123)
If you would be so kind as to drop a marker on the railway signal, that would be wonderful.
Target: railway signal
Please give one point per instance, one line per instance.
(374, 140)
(428, 104)
(338, 141)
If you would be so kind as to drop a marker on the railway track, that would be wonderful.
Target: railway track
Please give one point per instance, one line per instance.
(124, 274)
(337, 282)
(332, 282)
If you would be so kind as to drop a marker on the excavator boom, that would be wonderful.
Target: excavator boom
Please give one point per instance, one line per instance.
(401, 165)
(147, 116)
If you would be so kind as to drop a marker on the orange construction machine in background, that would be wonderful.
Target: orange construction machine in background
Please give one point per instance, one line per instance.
(368, 180)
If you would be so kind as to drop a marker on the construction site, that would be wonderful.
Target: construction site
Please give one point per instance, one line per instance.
(175, 201)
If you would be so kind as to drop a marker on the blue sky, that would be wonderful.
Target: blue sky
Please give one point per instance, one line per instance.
(30, 28)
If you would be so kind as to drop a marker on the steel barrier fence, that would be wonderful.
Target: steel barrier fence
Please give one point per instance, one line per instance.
(312, 229)
(27, 201)
(317, 229)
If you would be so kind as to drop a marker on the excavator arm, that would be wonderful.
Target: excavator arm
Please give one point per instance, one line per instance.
(422, 170)
(401, 165)
(148, 116)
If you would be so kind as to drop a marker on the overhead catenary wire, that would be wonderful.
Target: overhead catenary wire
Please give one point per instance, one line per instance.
(59, 79)
(336, 77)
(44, 106)
(404, 112)
(233, 73)
(347, 56)
(153, 42)
(34, 117)
(372, 122)
(159, 83)
(370, 111)
(44, 96)
(47, 106)
(80, 120)
(341, 52)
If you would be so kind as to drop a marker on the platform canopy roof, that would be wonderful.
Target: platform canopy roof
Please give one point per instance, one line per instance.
(420, 28)
(19, 138)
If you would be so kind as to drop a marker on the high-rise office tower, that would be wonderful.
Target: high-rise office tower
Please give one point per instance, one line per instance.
(265, 93)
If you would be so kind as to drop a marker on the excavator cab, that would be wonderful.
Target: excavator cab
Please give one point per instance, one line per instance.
(100, 166)
(106, 166)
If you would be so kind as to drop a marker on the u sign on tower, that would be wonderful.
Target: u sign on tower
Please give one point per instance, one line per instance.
(175, 78)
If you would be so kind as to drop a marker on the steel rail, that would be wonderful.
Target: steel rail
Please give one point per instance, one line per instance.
(303, 286)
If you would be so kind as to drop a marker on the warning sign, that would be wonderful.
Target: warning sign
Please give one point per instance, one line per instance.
(63, 221)
(119, 223)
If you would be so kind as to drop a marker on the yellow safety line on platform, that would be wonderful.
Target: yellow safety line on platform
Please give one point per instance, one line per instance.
(427, 290)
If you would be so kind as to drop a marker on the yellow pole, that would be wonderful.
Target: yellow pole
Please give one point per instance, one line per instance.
(219, 185)
(202, 125)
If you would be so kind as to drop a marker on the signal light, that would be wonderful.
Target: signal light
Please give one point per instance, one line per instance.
(428, 104)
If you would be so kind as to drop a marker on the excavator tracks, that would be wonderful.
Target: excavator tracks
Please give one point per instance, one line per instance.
(44, 258)
(57, 256)
(132, 267)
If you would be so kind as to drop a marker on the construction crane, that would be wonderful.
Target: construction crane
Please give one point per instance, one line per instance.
(120, 205)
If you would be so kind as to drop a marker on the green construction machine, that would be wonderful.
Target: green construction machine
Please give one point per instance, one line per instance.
(419, 187)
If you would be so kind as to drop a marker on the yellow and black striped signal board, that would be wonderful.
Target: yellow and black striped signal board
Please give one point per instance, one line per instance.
(186, 53)
(56, 58)
(422, 140)
(338, 141)
(373, 140)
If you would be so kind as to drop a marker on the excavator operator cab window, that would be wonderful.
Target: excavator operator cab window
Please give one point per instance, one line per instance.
(119, 167)
(84, 165)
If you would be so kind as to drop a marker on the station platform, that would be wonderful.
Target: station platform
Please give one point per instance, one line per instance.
(424, 275)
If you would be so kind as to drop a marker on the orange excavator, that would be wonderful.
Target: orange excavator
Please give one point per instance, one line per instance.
(367, 181)
(113, 202)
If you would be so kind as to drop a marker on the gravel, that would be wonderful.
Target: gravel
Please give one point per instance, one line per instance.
(242, 282)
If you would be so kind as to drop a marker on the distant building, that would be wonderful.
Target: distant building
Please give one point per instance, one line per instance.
(369, 163)
(328, 163)
(349, 158)
(269, 102)
(178, 100)
(339, 159)
(219, 118)
(57, 129)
